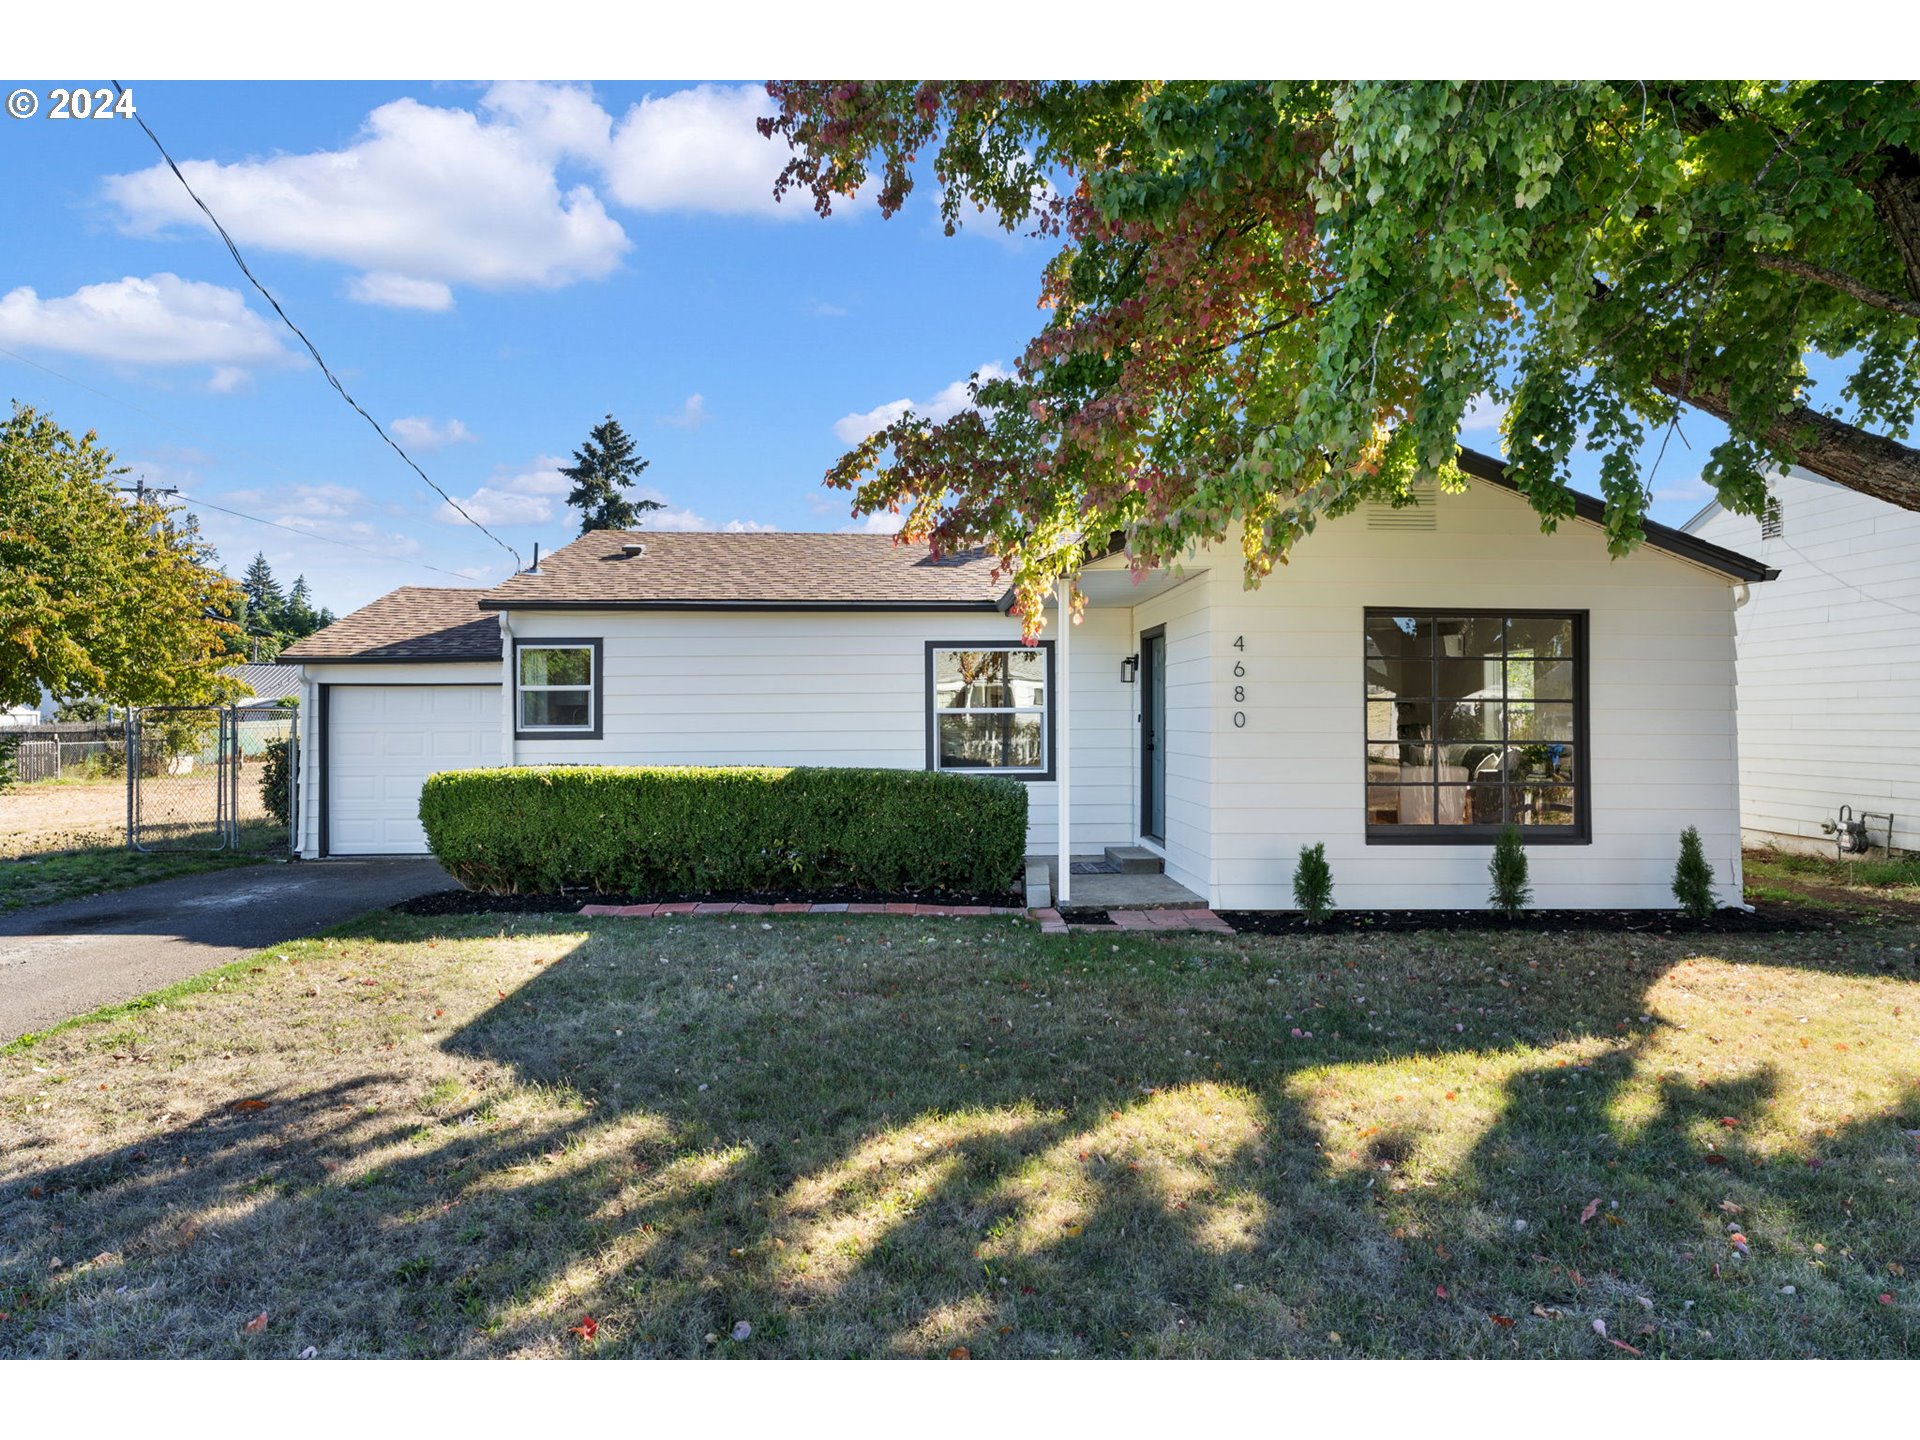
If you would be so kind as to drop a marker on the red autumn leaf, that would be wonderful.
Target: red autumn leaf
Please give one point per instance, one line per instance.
(1505, 1322)
(959, 1352)
(256, 1324)
(1730, 1122)
(586, 1329)
(1621, 1345)
(1886, 1297)
(1593, 1208)
(1716, 1159)
(1440, 1291)
(248, 1105)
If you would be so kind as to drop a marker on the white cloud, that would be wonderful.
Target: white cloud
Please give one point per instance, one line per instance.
(881, 522)
(1482, 415)
(682, 519)
(427, 198)
(691, 415)
(698, 150)
(397, 292)
(823, 309)
(525, 498)
(331, 511)
(300, 501)
(229, 380)
(944, 405)
(159, 320)
(424, 197)
(1691, 491)
(420, 432)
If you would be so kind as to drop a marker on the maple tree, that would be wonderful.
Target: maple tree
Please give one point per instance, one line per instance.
(101, 595)
(1274, 300)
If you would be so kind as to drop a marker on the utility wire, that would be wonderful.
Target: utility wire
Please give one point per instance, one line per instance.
(310, 535)
(208, 504)
(332, 379)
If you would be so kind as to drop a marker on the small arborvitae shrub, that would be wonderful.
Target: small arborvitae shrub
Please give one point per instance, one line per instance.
(1693, 878)
(1510, 893)
(9, 761)
(1313, 884)
(275, 771)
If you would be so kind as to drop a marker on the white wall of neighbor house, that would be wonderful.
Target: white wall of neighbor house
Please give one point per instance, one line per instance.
(1661, 708)
(687, 687)
(1829, 662)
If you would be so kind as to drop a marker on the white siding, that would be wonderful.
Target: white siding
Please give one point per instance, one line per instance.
(754, 688)
(1829, 661)
(1660, 685)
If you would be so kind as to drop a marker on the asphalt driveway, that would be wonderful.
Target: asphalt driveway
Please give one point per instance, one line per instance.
(58, 961)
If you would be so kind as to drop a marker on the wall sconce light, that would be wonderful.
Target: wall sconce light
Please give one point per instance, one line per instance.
(1129, 667)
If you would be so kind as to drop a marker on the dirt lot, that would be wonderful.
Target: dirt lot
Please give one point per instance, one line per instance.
(40, 819)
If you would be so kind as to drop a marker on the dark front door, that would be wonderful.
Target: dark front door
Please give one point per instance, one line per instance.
(1153, 750)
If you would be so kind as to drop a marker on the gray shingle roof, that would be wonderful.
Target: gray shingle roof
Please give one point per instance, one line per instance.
(729, 570)
(415, 622)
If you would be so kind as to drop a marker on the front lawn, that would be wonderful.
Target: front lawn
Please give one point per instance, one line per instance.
(919, 1137)
(44, 879)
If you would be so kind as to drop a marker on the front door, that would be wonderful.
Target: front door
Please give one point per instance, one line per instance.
(1153, 750)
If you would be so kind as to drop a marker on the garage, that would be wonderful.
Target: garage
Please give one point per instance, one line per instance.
(382, 742)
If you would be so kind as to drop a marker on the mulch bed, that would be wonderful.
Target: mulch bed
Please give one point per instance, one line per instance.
(475, 902)
(1766, 920)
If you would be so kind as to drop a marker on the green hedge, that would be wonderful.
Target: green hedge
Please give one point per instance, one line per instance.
(686, 830)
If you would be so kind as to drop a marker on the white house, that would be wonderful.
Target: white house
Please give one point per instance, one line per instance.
(1411, 679)
(1829, 665)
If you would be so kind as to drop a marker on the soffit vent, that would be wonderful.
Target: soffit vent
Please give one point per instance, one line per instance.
(1422, 514)
(1772, 520)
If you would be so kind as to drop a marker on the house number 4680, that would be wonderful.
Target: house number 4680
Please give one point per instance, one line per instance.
(1240, 691)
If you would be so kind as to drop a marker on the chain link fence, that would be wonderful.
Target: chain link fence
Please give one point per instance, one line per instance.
(210, 777)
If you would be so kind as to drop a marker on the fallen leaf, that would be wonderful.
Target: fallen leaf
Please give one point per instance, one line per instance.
(586, 1329)
(1886, 1297)
(959, 1352)
(1593, 1209)
(1731, 1122)
(1716, 1158)
(248, 1105)
(256, 1324)
(743, 1330)
(309, 1353)
(1505, 1322)
(1440, 1291)
(1621, 1345)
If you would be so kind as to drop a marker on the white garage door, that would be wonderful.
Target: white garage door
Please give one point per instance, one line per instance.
(383, 742)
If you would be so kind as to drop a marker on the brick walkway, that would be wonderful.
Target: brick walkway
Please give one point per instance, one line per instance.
(1147, 921)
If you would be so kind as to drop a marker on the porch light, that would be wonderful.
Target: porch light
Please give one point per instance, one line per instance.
(1129, 667)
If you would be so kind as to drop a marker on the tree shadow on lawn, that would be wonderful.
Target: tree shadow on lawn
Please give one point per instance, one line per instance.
(1059, 1148)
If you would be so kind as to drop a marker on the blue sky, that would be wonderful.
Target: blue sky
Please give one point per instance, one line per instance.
(490, 270)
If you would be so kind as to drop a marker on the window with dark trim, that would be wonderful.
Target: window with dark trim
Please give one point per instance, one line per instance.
(990, 708)
(1475, 719)
(556, 689)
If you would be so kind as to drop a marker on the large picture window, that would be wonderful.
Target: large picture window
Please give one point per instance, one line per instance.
(989, 708)
(557, 689)
(1475, 720)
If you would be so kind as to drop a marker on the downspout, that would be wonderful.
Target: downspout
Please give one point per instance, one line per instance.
(507, 701)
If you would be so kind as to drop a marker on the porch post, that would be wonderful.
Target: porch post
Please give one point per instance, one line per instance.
(1063, 732)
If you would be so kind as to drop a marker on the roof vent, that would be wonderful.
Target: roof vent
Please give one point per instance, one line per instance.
(1420, 514)
(633, 548)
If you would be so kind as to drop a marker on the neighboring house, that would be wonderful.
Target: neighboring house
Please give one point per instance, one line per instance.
(268, 683)
(1410, 679)
(18, 717)
(1829, 661)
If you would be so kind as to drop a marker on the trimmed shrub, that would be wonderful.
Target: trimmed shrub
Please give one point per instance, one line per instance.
(1313, 884)
(276, 761)
(1510, 893)
(9, 759)
(1693, 878)
(692, 830)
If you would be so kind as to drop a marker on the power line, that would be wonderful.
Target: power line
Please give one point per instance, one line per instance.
(310, 535)
(332, 379)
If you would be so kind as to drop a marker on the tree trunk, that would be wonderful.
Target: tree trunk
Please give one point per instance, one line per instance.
(1832, 449)
(1896, 200)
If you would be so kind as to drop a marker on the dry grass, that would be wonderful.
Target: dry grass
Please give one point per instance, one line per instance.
(42, 819)
(898, 1137)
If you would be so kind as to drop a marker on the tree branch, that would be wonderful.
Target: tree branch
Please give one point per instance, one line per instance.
(1846, 284)
(1832, 449)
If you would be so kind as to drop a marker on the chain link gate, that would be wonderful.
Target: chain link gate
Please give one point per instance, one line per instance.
(206, 777)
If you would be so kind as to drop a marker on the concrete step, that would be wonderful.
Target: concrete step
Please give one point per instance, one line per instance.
(1135, 860)
(1039, 884)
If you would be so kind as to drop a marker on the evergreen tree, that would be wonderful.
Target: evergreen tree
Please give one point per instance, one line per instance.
(603, 467)
(264, 600)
